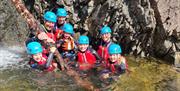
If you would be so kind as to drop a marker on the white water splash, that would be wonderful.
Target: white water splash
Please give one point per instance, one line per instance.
(11, 56)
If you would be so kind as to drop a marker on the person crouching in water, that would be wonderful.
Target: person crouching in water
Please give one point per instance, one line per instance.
(38, 60)
(49, 31)
(105, 42)
(66, 45)
(86, 56)
(117, 64)
(61, 14)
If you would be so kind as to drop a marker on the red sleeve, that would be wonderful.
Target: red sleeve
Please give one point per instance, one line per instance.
(58, 33)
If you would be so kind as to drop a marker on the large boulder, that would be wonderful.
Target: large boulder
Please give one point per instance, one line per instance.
(13, 29)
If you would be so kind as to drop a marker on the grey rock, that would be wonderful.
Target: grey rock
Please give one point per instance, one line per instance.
(142, 27)
(12, 25)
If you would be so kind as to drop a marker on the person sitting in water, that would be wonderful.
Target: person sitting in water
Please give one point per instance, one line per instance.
(66, 45)
(104, 44)
(38, 60)
(86, 56)
(49, 35)
(61, 14)
(117, 64)
(49, 32)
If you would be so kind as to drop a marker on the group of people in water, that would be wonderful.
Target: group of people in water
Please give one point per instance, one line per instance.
(57, 36)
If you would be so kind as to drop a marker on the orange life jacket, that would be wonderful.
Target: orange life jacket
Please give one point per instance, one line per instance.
(67, 44)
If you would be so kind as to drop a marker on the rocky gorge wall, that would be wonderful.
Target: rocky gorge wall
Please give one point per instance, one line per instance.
(141, 27)
(13, 29)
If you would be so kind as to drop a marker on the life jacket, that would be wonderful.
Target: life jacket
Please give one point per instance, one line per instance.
(67, 44)
(103, 53)
(43, 63)
(52, 36)
(58, 30)
(118, 66)
(58, 33)
(49, 34)
(86, 60)
(45, 51)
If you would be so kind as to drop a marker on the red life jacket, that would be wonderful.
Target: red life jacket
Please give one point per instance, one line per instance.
(45, 51)
(52, 36)
(103, 53)
(86, 60)
(43, 62)
(49, 34)
(58, 33)
(115, 67)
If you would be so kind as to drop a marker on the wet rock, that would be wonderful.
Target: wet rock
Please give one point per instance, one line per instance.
(177, 59)
(13, 27)
(68, 2)
(142, 27)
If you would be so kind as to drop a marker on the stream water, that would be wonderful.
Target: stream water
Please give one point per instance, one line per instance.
(146, 75)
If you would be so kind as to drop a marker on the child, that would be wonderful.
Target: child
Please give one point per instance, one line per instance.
(51, 34)
(104, 44)
(86, 57)
(61, 20)
(66, 44)
(61, 17)
(38, 60)
(117, 63)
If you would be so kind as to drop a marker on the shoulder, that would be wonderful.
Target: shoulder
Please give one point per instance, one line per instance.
(91, 50)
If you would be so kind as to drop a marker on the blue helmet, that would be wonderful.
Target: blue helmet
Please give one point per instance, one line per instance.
(83, 40)
(61, 12)
(114, 49)
(105, 29)
(68, 28)
(50, 16)
(34, 48)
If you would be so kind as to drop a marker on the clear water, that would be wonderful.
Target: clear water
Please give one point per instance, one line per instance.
(146, 75)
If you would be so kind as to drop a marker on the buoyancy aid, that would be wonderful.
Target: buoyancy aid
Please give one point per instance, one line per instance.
(45, 51)
(118, 66)
(41, 64)
(67, 44)
(58, 30)
(103, 52)
(86, 60)
(52, 36)
(58, 33)
(49, 34)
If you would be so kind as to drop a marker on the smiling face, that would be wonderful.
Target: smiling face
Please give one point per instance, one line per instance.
(114, 57)
(61, 20)
(83, 47)
(37, 57)
(49, 25)
(106, 37)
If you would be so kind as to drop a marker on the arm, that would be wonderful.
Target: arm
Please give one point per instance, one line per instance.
(35, 65)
